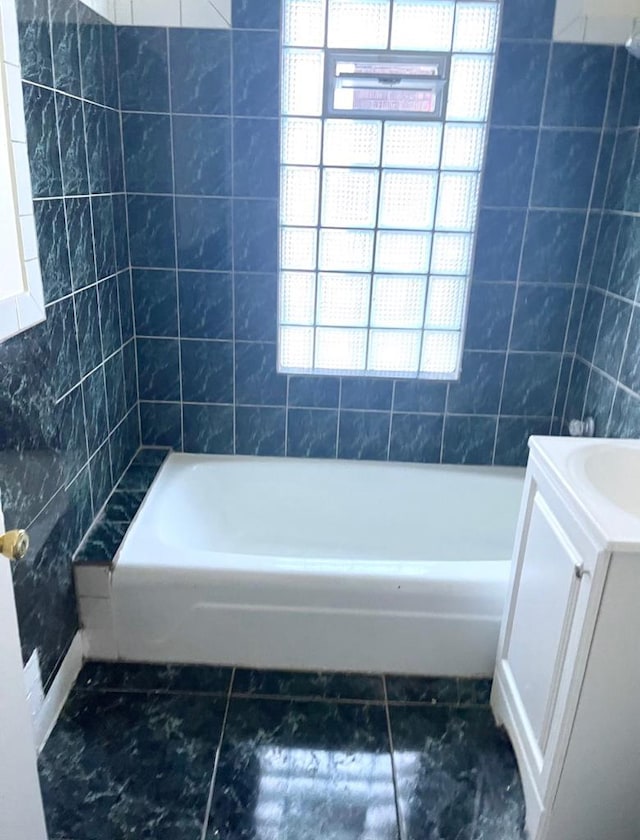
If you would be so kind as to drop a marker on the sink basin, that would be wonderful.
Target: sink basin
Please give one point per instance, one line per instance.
(613, 472)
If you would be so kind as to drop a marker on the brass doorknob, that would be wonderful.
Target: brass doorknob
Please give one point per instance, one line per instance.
(14, 544)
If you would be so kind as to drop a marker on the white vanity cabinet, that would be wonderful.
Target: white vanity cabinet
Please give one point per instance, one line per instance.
(567, 682)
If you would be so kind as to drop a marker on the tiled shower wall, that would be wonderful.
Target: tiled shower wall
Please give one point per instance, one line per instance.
(605, 381)
(68, 417)
(201, 163)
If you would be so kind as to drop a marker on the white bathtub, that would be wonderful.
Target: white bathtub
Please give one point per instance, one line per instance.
(287, 563)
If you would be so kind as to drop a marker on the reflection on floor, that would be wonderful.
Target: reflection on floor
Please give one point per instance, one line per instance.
(184, 753)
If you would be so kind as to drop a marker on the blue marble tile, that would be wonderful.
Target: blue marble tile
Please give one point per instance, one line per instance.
(92, 58)
(528, 19)
(65, 46)
(630, 109)
(103, 235)
(256, 154)
(364, 435)
(121, 507)
(95, 405)
(256, 14)
(126, 305)
(110, 56)
(420, 396)
(489, 316)
(202, 155)
(323, 685)
(526, 384)
(161, 424)
(509, 167)
(208, 429)
(116, 398)
(102, 543)
(35, 41)
(372, 394)
(619, 191)
(260, 431)
(204, 233)
(415, 438)
(465, 774)
(314, 391)
(155, 301)
(156, 760)
(142, 68)
(625, 270)
(576, 391)
(151, 231)
(147, 153)
(130, 373)
(256, 79)
(207, 371)
(575, 316)
(121, 234)
(53, 248)
(552, 246)
(430, 690)
(312, 433)
(255, 235)
(151, 457)
(512, 437)
(565, 168)
(98, 148)
(156, 679)
(81, 253)
(59, 337)
(469, 440)
(123, 443)
(141, 474)
(200, 71)
(630, 369)
(594, 303)
(618, 74)
(89, 339)
(578, 85)
(599, 400)
(498, 244)
(478, 389)
(42, 139)
(116, 159)
(616, 317)
(519, 87)
(605, 252)
(625, 415)
(159, 369)
(540, 317)
(602, 169)
(206, 304)
(256, 307)
(588, 248)
(73, 441)
(73, 148)
(257, 379)
(109, 315)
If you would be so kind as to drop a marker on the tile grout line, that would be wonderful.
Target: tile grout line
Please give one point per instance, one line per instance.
(216, 763)
(392, 757)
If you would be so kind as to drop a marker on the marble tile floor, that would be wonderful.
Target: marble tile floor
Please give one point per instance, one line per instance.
(193, 753)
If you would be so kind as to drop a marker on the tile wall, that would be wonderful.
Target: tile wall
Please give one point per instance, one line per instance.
(605, 379)
(68, 415)
(201, 167)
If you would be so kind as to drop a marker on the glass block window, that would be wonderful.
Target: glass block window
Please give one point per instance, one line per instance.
(383, 124)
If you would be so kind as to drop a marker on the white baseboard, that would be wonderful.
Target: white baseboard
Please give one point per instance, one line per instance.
(55, 698)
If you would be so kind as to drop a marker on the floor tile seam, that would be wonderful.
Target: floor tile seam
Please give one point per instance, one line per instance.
(216, 761)
(156, 692)
(309, 698)
(394, 781)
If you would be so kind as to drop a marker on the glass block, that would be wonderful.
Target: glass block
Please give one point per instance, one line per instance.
(340, 348)
(299, 191)
(297, 297)
(408, 200)
(301, 141)
(412, 144)
(476, 27)
(445, 303)
(302, 82)
(463, 146)
(352, 143)
(394, 351)
(343, 300)
(304, 23)
(298, 248)
(451, 253)
(296, 347)
(403, 253)
(457, 201)
(359, 24)
(440, 352)
(398, 301)
(469, 88)
(346, 250)
(422, 26)
(349, 198)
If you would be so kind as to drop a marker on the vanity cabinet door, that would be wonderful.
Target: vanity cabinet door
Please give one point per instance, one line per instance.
(547, 609)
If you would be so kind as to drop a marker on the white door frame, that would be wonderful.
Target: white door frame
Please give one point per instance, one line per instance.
(21, 811)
